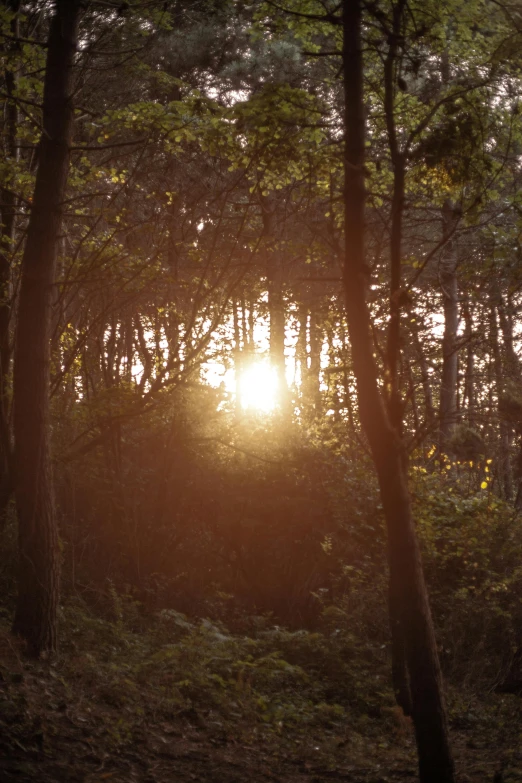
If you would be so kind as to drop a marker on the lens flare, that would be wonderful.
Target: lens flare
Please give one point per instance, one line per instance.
(258, 387)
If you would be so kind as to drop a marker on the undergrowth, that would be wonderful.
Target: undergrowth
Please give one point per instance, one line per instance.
(273, 679)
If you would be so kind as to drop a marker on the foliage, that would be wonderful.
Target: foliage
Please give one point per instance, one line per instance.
(471, 542)
(203, 227)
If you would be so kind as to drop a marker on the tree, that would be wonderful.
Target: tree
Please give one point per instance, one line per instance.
(7, 233)
(38, 585)
(406, 574)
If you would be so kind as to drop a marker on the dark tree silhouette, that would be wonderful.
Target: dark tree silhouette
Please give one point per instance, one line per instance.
(38, 584)
(406, 575)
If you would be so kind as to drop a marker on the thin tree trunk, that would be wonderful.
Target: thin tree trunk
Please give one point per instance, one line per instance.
(347, 401)
(393, 348)
(251, 323)
(469, 377)
(314, 371)
(504, 464)
(512, 372)
(128, 347)
(238, 357)
(276, 309)
(448, 282)
(429, 410)
(412, 394)
(429, 715)
(302, 354)
(144, 355)
(276, 305)
(333, 400)
(244, 327)
(38, 580)
(512, 361)
(401, 683)
(7, 233)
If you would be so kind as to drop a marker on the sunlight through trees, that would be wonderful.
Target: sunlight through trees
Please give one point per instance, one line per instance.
(260, 340)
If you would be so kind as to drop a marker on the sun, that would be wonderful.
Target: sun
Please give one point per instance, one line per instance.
(257, 387)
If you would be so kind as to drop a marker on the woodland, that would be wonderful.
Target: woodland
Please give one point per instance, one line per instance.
(260, 391)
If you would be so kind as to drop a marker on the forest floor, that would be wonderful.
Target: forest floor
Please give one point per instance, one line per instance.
(111, 707)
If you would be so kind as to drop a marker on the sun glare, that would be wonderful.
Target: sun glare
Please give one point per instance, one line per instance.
(258, 387)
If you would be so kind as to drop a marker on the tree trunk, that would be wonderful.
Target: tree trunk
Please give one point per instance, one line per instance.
(276, 305)
(401, 685)
(38, 581)
(512, 369)
(504, 463)
(469, 376)
(429, 411)
(276, 309)
(245, 332)
(313, 378)
(7, 229)
(448, 282)
(301, 354)
(429, 716)
(512, 373)
(398, 160)
(238, 358)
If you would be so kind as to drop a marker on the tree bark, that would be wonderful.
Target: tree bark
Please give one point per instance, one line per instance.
(313, 379)
(302, 353)
(398, 160)
(448, 282)
(429, 410)
(469, 376)
(429, 715)
(276, 309)
(511, 372)
(504, 463)
(401, 683)
(38, 580)
(276, 305)
(512, 368)
(7, 229)
(238, 358)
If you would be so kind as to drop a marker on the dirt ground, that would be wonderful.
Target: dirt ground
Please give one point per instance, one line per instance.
(53, 731)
